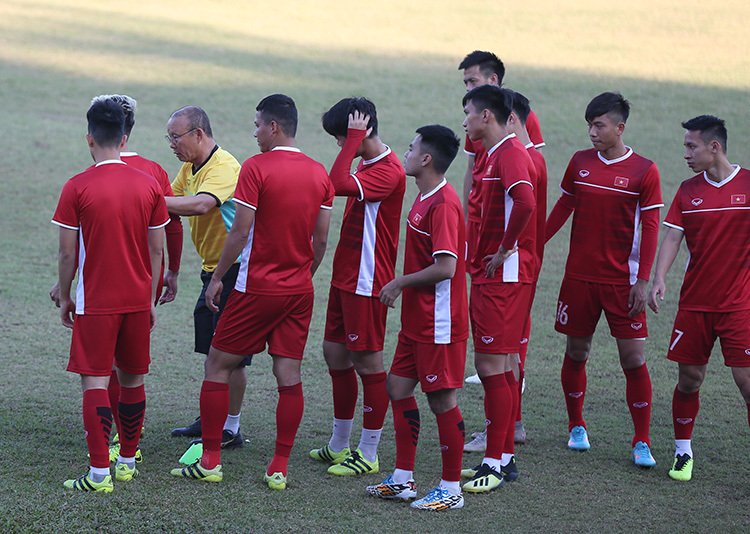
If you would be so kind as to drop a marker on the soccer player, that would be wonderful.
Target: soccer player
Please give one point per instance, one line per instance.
(711, 211)
(505, 260)
(284, 201)
(615, 196)
(431, 347)
(111, 220)
(365, 260)
(203, 190)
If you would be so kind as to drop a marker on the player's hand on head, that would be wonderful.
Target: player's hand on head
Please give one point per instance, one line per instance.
(359, 121)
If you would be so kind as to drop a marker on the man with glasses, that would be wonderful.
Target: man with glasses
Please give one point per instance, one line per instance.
(203, 190)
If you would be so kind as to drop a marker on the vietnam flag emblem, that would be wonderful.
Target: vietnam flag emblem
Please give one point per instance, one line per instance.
(739, 199)
(621, 181)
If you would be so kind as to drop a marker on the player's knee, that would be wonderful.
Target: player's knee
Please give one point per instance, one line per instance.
(442, 401)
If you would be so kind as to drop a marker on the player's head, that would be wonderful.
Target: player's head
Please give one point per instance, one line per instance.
(275, 119)
(484, 105)
(189, 134)
(336, 120)
(606, 116)
(482, 68)
(435, 146)
(705, 140)
(106, 124)
(521, 107)
(128, 105)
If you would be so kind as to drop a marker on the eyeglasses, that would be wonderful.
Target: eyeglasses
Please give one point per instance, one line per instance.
(171, 139)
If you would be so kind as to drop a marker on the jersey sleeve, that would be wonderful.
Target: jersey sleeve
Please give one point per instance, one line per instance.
(469, 147)
(159, 216)
(377, 182)
(514, 170)
(535, 130)
(444, 224)
(220, 182)
(674, 215)
(247, 192)
(651, 190)
(163, 178)
(568, 182)
(66, 215)
(330, 192)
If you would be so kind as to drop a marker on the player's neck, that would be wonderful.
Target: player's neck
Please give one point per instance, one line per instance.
(523, 136)
(105, 153)
(427, 181)
(372, 147)
(720, 170)
(283, 140)
(615, 151)
(494, 135)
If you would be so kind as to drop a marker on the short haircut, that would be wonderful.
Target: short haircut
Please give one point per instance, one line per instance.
(196, 118)
(336, 120)
(521, 106)
(608, 102)
(711, 129)
(441, 143)
(488, 64)
(106, 123)
(128, 105)
(498, 100)
(281, 109)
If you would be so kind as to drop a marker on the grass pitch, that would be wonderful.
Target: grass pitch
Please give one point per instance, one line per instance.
(671, 59)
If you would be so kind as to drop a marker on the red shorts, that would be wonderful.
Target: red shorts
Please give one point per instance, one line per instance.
(355, 320)
(101, 340)
(498, 314)
(695, 332)
(527, 325)
(249, 322)
(581, 303)
(436, 367)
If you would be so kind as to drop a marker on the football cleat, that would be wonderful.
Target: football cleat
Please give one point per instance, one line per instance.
(470, 472)
(230, 440)
(519, 435)
(485, 480)
(84, 483)
(510, 470)
(682, 468)
(124, 473)
(277, 481)
(579, 439)
(326, 454)
(354, 465)
(388, 489)
(642, 456)
(114, 453)
(193, 430)
(438, 499)
(478, 444)
(473, 379)
(197, 472)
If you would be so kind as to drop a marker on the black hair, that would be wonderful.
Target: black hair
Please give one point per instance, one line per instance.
(498, 100)
(196, 118)
(521, 107)
(608, 102)
(106, 123)
(488, 64)
(281, 109)
(441, 143)
(710, 127)
(336, 120)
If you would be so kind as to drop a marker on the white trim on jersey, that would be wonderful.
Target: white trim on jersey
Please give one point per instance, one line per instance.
(366, 275)
(361, 196)
(652, 207)
(540, 145)
(128, 154)
(520, 182)
(80, 294)
(408, 222)
(566, 193)
(529, 145)
(448, 252)
(238, 201)
(511, 265)
(717, 209)
(469, 153)
(616, 160)
(504, 139)
(725, 180)
(670, 225)
(632, 193)
(286, 148)
(378, 157)
(442, 312)
(53, 221)
(241, 283)
(109, 161)
(162, 225)
(439, 186)
(635, 256)
(326, 207)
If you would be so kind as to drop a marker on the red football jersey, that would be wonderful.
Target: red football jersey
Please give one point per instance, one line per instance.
(535, 130)
(474, 203)
(112, 206)
(365, 258)
(715, 218)
(286, 189)
(609, 198)
(436, 313)
(540, 194)
(508, 165)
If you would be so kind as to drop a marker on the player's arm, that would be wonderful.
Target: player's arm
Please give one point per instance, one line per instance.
(649, 239)
(66, 268)
(468, 182)
(155, 252)
(343, 181)
(173, 232)
(560, 212)
(524, 202)
(244, 218)
(320, 237)
(199, 204)
(443, 268)
(670, 246)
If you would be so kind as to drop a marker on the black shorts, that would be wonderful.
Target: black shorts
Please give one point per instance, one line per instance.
(205, 320)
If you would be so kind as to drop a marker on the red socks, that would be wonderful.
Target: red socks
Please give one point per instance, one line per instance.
(344, 382)
(498, 410)
(685, 408)
(132, 409)
(97, 422)
(214, 410)
(113, 390)
(289, 410)
(515, 393)
(638, 395)
(406, 426)
(451, 431)
(573, 378)
(375, 402)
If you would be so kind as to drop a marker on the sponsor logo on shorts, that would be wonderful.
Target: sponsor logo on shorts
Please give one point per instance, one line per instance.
(487, 340)
(431, 378)
(738, 199)
(417, 219)
(583, 173)
(487, 422)
(576, 394)
(696, 201)
(524, 341)
(684, 420)
(353, 337)
(636, 326)
(621, 181)
(443, 447)
(747, 351)
(641, 404)
(366, 408)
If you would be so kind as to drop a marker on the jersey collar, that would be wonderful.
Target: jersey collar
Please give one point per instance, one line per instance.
(725, 180)
(504, 139)
(126, 154)
(378, 157)
(108, 161)
(286, 148)
(616, 160)
(438, 188)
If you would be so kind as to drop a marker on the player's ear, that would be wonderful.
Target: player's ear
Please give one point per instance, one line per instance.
(90, 140)
(426, 159)
(123, 141)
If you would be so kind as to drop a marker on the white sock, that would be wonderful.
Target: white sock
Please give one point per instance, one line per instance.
(97, 474)
(683, 446)
(130, 462)
(494, 463)
(401, 476)
(505, 459)
(342, 431)
(453, 487)
(368, 443)
(232, 423)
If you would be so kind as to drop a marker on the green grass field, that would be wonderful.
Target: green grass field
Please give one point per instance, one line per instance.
(672, 59)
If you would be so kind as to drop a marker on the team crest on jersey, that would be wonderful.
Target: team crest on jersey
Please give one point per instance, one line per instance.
(353, 337)
(696, 201)
(738, 200)
(583, 173)
(636, 326)
(489, 170)
(431, 378)
(487, 340)
(417, 219)
(621, 181)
